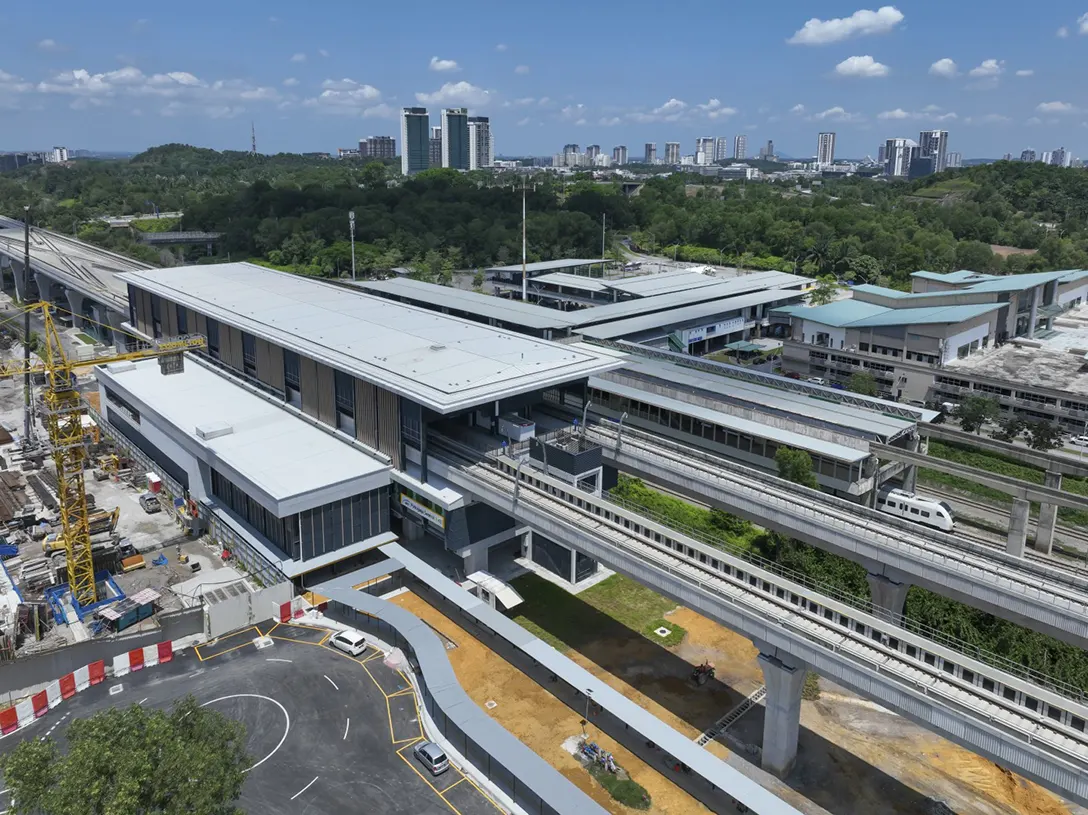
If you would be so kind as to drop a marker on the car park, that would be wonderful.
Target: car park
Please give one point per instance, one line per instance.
(430, 755)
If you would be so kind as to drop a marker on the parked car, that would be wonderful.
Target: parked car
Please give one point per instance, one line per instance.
(1079, 441)
(350, 642)
(430, 755)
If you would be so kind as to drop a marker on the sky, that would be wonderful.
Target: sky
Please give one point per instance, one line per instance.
(998, 75)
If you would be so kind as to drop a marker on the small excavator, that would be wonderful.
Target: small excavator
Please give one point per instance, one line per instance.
(701, 674)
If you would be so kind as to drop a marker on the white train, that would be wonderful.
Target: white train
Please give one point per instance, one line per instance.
(917, 508)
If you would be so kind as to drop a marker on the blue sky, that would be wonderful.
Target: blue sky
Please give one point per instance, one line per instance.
(999, 75)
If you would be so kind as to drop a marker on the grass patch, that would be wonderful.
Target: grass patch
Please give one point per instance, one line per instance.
(67, 203)
(560, 619)
(627, 792)
(810, 691)
(87, 338)
(155, 224)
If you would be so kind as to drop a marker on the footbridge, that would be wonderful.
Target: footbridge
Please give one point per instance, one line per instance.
(1025, 722)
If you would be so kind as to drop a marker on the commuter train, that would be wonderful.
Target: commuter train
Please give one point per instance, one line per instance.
(917, 508)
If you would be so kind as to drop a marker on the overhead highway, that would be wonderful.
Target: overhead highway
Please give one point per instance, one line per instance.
(1025, 723)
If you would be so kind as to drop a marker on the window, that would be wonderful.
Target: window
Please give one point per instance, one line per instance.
(291, 384)
(131, 306)
(183, 320)
(1031, 704)
(213, 338)
(345, 402)
(156, 316)
(249, 354)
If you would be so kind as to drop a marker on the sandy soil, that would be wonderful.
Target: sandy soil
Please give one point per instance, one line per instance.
(540, 720)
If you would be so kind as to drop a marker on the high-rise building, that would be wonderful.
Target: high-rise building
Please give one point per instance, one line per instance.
(481, 151)
(767, 151)
(921, 166)
(881, 153)
(934, 144)
(592, 152)
(1047, 157)
(672, 152)
(740, 147)
(650, 154)
(1028, 155)
(455, 138)
(897, 156)
(414, 146)
(825, 149)
(721, 148)
(435, 147)
(619, 154)
(704, 150)
(1007, 157)
(1061, 158)
(954, 160)
(378, 147)
(58, 155)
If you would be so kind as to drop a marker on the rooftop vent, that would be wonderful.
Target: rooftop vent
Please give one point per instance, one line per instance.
(213, 430)
(438, 348)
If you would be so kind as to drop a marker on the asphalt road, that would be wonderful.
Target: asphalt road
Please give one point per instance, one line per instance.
(328, 733)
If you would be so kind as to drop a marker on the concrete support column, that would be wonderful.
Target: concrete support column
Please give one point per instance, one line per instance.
(119, 338)
(782, 716)
(75, 305)
(910, 474)
(888, 596)
(1048, 516)
(527, 545)
(20, 281)
(1034, 315)
(45, 287)
(573, 567)
(1018, 527)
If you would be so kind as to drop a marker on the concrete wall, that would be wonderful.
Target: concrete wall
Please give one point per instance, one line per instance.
(966, 337)
(245, 609)
(37, 669)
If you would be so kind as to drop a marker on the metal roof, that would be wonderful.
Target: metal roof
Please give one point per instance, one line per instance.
(510, 312)
(962, 276)
(549, 265)
(802, 407)
(732, 287)
(443, 362)
(922, 316)
(838, 313)
(280, 453)
(649, 285)
(827, 449)
(572, 281)
(672, 317)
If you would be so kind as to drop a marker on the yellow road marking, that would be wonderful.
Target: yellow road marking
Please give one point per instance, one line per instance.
(203, 658)
(429, 784)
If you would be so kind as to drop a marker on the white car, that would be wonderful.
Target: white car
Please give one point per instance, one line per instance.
(1079, 441)
(350, 642)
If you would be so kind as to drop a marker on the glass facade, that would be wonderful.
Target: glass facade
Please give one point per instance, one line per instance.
(156, 316)
(213, 338)
(249, 355)
(345, 403)
(291, 382)
(183, 320)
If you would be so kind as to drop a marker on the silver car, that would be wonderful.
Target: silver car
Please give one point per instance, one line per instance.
(430, 755)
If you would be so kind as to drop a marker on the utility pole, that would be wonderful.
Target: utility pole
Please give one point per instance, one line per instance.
(524, 271)
(26, 327)
(252, 137)
(602, 235)
(351, 228)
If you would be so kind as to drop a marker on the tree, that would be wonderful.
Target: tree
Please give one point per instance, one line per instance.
(824, 292)
(864, 268)
(133, 760)
(975, 411)
(796, 466)
(1009, 429)
(478, 280)
(863, 383)
(1045, 436)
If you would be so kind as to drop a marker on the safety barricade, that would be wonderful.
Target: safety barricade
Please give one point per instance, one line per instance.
(9, 720)
(166, 651)
(25, 711)
(136, 659)
(69, 684)
(121, 665)
(97, 671)
(52, 692)
(40, 701)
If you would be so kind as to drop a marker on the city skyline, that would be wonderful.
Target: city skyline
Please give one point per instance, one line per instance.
(115, 81)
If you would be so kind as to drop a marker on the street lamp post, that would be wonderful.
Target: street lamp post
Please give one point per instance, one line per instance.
(351, 229)
(585, 719)
(26, 326)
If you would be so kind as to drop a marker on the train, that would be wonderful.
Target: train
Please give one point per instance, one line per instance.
(917, 508)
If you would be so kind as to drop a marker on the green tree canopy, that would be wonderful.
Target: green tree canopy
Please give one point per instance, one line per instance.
(796, 466)
(1045, 435)
(975, 411)
(824, 292)
(133, 760)
(862, 382)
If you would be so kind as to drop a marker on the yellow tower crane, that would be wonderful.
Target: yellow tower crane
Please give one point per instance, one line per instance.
(63, 417)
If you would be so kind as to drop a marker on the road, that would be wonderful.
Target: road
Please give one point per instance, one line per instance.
(327, 733)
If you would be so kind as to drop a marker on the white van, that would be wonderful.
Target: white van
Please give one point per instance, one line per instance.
(350, 642)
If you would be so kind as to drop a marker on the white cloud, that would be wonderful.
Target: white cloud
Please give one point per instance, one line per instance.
(580, 122)
(381, 111)
(988, 119)
(501, 46)
(456, 94)
(367, 91)
(524, 100)
(1062, 32)
(1082, 23)
(898, 113)
(931, 113)
(944, 67)
(290, 82)
(988, 68)
(1056, 107)
(523, 122)
(521, 69)
(273, 20)
(865, 67)
(544, 100)
(176, 108)
(858, 24)
(1034, 121)
(798, 109)
(49, 45)
(344, 97)
(299, 57)
(610, 121)
(443, 65)
(572, 112)
(837, 114)
(674, 105)
(1025, 72)
(321, 52)
(715, 110)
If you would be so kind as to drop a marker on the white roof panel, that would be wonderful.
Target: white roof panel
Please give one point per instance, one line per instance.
(440, 361)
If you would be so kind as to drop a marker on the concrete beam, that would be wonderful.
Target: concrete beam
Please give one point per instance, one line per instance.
(1058, 462)
(782, 712)
(1048, 517)
(1013, 486)
(1018, 527)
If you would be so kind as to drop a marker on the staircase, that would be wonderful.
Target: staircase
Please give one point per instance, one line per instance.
(732, 717)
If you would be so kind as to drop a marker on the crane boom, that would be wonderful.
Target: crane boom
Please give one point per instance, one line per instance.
(64, 422)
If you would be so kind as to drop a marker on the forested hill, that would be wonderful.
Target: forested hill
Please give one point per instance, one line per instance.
(291, 210)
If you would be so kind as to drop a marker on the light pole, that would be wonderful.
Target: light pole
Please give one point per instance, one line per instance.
(585, 719)
(585, 411)
(26, 326)
(351, 229)
(619, 433)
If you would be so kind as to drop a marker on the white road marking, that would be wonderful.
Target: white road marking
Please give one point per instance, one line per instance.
(286, 730)
(276, 659)
(143, 700)
(297, 794)
(331, 682)
(347, 724)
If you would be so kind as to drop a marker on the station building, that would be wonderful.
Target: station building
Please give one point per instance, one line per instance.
(298, 371)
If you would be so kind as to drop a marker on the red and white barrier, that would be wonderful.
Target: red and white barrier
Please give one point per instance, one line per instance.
(22, 714)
